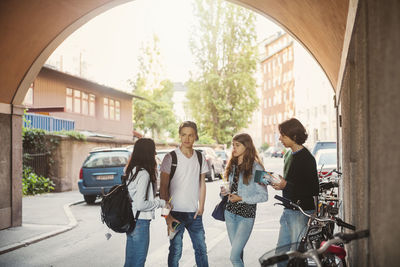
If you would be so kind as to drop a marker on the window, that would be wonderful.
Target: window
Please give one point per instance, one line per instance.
(28, 100)
(85, 104)
(92, 101)
(112, 109)
(106, 108)
(68, 103)
(324, 110)
(117, 111)
(77, 101)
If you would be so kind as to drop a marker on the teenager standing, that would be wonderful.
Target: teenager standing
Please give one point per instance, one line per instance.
(244, 195)
(300, 183)
(187, 192)
(142, 169)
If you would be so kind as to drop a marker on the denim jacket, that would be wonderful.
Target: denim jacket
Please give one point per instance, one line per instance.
(251, 193)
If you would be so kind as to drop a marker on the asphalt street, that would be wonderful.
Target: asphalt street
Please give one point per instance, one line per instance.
(86, 244)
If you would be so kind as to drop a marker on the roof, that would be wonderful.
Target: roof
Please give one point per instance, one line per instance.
(96, 86)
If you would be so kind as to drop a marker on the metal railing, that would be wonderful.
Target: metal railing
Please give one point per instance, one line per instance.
(39, 162)
(48, 123)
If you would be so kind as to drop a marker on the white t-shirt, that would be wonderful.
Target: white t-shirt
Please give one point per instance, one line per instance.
(185, 185)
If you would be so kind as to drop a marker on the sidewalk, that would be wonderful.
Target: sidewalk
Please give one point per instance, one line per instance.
(43, 216)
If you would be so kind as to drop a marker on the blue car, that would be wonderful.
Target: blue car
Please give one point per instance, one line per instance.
(101, 170)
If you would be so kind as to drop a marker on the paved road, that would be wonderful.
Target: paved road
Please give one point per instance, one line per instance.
(86, 244)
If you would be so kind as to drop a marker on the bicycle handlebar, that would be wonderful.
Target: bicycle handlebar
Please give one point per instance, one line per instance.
(338, 221)
(344, 224)
(275, 259)
(287, 202)
(352, 236)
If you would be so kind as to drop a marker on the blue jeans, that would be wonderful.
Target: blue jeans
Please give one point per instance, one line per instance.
(239, 230)
(293, 227)
(137, 244)
(197, 235)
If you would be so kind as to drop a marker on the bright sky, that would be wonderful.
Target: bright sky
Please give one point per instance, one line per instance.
(111, 41)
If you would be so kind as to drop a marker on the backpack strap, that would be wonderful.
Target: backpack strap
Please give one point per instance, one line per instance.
(200, 159)
(174, 164)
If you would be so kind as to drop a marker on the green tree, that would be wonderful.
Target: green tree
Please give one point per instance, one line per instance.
(223, 96)
(154, 112)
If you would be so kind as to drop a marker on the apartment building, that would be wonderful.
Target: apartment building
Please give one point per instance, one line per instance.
(294, 85)
(278, 85)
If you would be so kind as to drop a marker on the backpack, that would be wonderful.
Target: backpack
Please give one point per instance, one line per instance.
(175, 162)
(116, 208)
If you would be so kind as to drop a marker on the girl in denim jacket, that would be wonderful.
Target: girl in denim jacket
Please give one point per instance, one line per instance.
(244, 194)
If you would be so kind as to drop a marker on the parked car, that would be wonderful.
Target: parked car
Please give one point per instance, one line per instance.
(161, 154)
(222, 155)
(275, 152)
(215, 164)
(101, 170)
(326, 160)
(323, 145)
(159, 158)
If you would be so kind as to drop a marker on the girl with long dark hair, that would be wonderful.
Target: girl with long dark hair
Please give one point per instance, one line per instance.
(244, 194)
(142, 169)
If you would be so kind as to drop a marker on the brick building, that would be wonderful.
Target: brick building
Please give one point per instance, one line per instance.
(277, 86)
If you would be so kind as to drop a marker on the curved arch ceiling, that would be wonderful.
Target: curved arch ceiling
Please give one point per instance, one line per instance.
(31, 30)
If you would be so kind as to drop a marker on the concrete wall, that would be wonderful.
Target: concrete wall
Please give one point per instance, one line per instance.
(369, 102)
(10, 166)
(5, 171)
(69, 156)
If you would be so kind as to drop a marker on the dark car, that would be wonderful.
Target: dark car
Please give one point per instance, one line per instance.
(101, 170)
(214, 163)
(323, 145)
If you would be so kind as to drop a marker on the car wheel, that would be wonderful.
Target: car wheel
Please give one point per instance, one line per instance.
(212, 174)
(89, 199)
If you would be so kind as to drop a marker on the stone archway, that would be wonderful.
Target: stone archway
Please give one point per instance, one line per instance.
(355, 42)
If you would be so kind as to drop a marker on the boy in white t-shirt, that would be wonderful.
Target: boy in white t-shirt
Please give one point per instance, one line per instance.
(187, 191)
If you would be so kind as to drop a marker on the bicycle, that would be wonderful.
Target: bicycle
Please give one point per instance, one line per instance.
(315, 255)
(319, 229)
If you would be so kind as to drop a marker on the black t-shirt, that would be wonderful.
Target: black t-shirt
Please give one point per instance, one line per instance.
(302, 180)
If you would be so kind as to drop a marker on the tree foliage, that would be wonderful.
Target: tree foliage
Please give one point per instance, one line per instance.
(154, 112)
(222, 96)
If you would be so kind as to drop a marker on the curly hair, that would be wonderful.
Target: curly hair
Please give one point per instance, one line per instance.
(250, 155)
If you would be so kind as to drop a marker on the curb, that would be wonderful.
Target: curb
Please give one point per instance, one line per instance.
(71, 225)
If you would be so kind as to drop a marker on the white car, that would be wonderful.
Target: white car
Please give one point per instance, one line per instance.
(326, 160)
